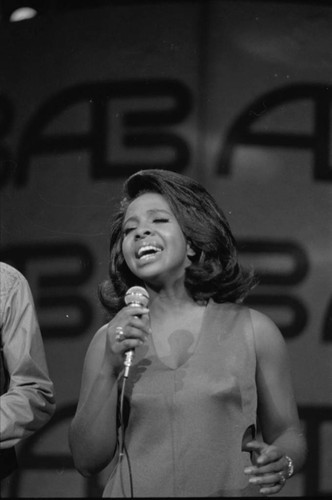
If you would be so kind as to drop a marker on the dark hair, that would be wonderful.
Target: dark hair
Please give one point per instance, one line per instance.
(214, 271)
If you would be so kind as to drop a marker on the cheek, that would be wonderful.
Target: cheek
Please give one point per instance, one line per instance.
(125, 251)
(181, 250)
(128, 255)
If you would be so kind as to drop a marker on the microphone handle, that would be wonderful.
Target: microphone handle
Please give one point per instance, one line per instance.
(129, 355)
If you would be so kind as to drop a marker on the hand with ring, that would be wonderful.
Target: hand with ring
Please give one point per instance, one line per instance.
(272, 467)
(127, 330)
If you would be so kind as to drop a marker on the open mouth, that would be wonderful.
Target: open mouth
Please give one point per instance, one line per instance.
(147, 251)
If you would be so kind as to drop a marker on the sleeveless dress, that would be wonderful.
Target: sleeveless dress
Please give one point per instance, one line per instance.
(185, 426)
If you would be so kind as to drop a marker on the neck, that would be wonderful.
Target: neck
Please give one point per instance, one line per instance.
(169, 297)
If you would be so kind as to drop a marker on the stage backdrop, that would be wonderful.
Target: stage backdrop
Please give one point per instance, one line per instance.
(236, 94)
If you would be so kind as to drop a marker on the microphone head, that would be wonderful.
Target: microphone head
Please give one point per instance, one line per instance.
(137, 296)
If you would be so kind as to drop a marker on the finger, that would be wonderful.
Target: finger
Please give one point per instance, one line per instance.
(129, 331)
(269, 468)
(132, 332)
(128, 344)
(269, 483)
(141, 323)
(270, 490)
(267, 462)
(136, 311)
(119, 334)
(267, 478)
(257, 446)
(124, 338)
(120, 347)
(267, 453)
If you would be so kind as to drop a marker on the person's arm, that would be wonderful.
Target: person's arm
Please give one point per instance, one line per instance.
(283, 451)
(93, 431)
(28, 403)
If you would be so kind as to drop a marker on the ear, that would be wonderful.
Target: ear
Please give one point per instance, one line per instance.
(190, 251)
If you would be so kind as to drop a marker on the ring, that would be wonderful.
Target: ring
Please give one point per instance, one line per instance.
(119, 337)
(282, 479)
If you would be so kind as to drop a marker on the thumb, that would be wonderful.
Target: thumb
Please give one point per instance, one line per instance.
(257, 446)
(264, 453)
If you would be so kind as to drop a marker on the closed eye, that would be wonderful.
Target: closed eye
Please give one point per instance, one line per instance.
(157, 220)
(127, 230)
(160, 219)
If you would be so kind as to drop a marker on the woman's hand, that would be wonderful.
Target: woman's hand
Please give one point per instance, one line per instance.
(271, 469)
(127, 330)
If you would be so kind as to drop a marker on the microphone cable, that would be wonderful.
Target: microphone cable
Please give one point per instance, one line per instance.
(135, 296)
(123, 452)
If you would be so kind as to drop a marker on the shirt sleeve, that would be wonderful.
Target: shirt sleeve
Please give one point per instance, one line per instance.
(29, 402)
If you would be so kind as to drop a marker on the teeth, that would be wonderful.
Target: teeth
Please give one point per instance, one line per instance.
(147, 249)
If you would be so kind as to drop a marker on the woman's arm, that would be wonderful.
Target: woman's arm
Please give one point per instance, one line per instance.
(93, 431)
(277, 410)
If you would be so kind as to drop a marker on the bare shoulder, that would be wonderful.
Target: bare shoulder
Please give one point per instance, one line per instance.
(100, 334)
(267, 335)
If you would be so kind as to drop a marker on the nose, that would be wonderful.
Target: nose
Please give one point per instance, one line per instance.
(142, 232)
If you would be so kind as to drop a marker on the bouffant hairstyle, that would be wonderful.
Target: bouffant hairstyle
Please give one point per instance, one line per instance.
(214, 271)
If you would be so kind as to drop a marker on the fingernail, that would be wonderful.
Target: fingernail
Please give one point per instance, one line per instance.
(253, 480)
(248, 470)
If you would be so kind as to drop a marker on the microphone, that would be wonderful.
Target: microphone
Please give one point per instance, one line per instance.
(136, 296)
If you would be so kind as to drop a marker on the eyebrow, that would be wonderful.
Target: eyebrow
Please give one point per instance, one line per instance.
(152, 211)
